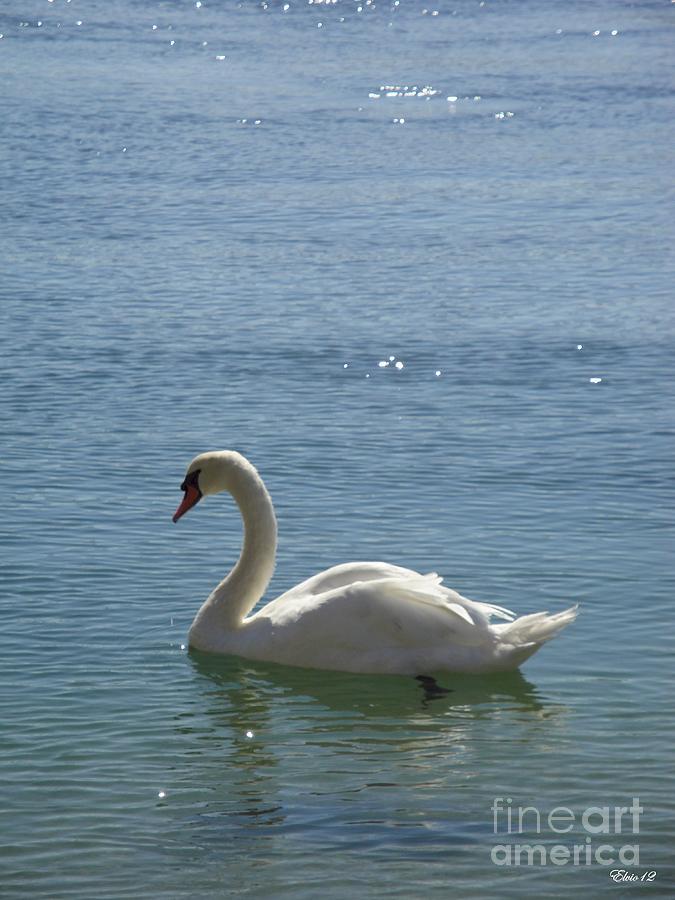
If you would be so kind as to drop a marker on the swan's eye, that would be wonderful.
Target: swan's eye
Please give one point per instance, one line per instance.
(191, 480)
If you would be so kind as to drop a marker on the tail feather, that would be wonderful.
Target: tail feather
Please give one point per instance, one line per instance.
(536, 628)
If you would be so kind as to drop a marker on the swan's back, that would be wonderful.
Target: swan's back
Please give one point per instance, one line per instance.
(375, 617)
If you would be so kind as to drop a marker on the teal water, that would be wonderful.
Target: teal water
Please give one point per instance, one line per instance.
(176, 278)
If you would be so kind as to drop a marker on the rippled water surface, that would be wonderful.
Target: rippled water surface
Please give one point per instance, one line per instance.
(224, 225)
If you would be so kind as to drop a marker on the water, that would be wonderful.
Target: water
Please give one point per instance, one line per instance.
(178, 278)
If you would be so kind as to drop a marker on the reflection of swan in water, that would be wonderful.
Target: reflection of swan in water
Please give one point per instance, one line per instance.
(357, 617)
(285, 748)
(255, 686)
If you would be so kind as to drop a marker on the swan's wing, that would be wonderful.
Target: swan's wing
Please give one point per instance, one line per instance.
(488, 609)
(403, 610)
(346, 574)
(472, 611)
(470, 617)
(423, 588)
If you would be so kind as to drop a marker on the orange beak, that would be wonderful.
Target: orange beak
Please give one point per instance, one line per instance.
(191, 496)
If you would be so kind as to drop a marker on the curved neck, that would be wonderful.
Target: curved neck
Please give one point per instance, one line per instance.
(238, 593)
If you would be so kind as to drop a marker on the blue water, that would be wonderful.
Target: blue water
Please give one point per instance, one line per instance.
(202, 253)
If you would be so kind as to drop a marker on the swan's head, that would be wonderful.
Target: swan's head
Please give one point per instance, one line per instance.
(209, 473)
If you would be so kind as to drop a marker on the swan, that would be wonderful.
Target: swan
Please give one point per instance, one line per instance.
(362, 617)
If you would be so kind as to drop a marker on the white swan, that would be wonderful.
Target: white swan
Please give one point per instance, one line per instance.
(365, 617)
